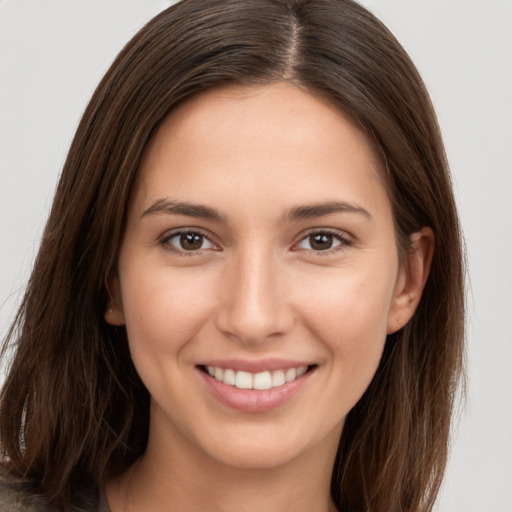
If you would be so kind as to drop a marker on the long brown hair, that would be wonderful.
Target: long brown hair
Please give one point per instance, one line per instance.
(73, 410)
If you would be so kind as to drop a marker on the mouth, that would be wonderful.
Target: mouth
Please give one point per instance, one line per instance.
(260, 381)
(256, 386)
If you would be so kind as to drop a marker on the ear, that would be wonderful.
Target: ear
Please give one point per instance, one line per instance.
(411, 279)
(114, 315)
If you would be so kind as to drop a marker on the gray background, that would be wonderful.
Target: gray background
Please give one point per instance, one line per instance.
(53, 53)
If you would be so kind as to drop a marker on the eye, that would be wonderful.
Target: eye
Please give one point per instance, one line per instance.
(188, 241)
(322, 241)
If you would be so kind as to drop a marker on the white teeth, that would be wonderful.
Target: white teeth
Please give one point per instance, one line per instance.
(291, 374)
(243, 380)
(262, 380)
(278, 378)
(259, 381)
(301, 370)
(229, 377)
(219, 373)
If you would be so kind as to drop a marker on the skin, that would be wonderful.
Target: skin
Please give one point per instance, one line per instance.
(257, 288)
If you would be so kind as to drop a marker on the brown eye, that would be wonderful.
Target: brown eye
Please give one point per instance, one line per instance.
(191, 241)
(322, 241)
(188, 241)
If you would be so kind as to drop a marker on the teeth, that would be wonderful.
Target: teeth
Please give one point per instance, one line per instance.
(243, 380)
(229, 377)
(291, 374)
(278, 378)
(260, 381)
(301, 370)
(219, 373)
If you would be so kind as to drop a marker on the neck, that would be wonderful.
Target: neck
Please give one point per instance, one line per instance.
(174, 475)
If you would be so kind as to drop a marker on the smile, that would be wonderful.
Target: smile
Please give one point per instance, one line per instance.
(255, 386)
(259, 381)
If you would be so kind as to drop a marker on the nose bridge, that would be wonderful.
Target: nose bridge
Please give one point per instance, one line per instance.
(254, 301)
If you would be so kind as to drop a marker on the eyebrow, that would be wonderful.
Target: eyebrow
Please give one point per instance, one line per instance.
(183, 208)
(321, 209)
(296, 213)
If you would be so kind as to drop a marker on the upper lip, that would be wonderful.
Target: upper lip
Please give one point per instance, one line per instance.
(255, 365)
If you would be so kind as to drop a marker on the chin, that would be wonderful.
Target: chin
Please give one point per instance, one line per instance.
(256, 456)
(265, 449)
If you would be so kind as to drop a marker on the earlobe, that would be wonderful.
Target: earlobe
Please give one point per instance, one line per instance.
(412, 279)
(114, 315)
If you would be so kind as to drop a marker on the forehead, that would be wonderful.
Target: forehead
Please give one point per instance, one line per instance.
(260, 113)
(257, 137)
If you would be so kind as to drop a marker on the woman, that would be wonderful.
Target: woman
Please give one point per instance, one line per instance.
(249, 293)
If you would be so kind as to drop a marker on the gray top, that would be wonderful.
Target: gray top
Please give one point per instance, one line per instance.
(13, 498)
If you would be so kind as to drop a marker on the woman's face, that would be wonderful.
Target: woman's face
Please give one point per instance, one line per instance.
(259, 247)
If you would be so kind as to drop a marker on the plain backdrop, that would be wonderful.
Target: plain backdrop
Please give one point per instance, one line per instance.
(53, 53)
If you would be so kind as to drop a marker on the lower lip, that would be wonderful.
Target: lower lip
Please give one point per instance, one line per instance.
(254, 400)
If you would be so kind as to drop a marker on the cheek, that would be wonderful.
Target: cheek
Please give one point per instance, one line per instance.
(349, 316)
(349, 305)
(163, 310)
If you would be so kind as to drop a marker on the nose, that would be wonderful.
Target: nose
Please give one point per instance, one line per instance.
(255, 305)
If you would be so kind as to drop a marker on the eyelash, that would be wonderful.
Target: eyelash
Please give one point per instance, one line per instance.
(340, 237)
(343, 242)
(165, 242)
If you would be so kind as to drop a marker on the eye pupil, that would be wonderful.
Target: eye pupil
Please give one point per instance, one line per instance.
(191, 241)
(321, 241)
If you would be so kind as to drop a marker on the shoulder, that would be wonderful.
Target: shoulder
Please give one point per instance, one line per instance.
(14, 497)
